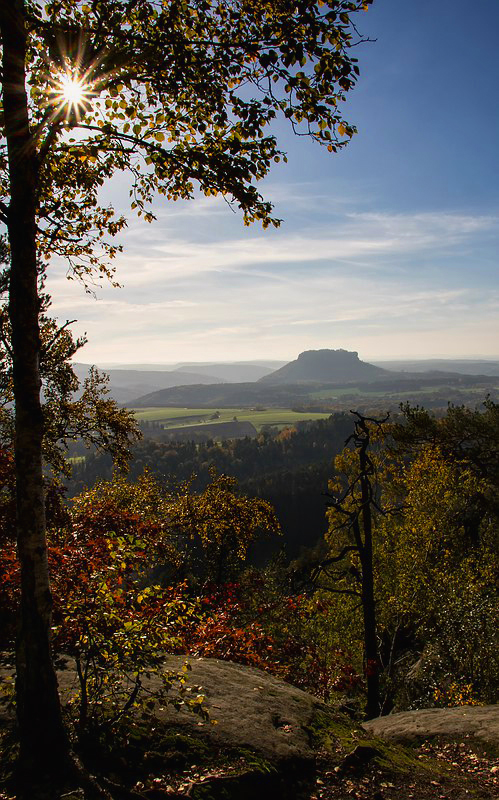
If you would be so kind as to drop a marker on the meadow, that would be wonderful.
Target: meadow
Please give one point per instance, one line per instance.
(346, 392)
(186, 417)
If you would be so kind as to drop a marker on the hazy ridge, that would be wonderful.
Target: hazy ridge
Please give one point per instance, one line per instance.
(275, 383)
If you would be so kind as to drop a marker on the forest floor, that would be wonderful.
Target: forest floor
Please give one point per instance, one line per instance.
(266, 739)
(167, 764)
(446, 770)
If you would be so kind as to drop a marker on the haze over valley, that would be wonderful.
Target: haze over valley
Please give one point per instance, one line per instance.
(334, 378)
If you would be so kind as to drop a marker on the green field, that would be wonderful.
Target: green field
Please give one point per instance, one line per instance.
(186, 417)
(339, 394)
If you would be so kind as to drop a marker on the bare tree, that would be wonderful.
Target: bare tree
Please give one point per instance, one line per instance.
(354, 510)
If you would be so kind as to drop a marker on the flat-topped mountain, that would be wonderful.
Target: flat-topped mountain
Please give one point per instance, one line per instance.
(325, 366)
(301, 381)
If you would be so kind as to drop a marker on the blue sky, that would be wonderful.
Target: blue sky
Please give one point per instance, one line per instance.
(389, 248)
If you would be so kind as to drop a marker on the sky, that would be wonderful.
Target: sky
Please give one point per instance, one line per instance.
(389, 248)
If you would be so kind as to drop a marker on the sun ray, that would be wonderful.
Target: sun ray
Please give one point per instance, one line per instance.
(71, 94)
(72, 90)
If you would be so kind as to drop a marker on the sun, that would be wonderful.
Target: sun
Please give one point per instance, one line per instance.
(72, 91)
(71, 95)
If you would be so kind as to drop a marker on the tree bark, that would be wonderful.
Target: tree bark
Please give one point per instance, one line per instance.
(42, 737)
(368, 601)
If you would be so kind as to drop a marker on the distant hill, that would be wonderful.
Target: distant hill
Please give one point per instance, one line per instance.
(126, 384)
(439, 389)
(134, 380)
(327, 367)
(193, 366)
(232, 373)
(463, 366)
(225, 395)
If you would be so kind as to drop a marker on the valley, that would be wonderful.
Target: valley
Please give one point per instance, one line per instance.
(183, 420)
(318, 381)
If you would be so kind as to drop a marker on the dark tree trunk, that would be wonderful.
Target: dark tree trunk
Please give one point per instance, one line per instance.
(371, 657)
(361, 526)
(42, 737)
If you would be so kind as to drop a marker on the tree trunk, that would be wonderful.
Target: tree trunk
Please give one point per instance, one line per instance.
(42, 737)
(368, 602)
(370, 641)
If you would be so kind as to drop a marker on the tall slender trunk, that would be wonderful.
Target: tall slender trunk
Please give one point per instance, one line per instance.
(368, 601)
(42, 736)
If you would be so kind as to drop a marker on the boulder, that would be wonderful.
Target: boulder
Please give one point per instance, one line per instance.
(249, 709)
(268, 721)
(471, 722)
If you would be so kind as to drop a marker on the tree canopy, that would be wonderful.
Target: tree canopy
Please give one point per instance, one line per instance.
(433, 517)
(179, 94)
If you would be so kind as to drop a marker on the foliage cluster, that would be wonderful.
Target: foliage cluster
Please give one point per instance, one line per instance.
(116, 612)
(70, 412)
(435, 546)
(259, 621)
(180, 97)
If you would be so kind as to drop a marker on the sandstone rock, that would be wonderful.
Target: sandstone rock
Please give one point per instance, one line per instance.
(250, 709)
(473, 722)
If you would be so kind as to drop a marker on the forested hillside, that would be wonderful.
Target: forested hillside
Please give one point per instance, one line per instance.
(289, 468)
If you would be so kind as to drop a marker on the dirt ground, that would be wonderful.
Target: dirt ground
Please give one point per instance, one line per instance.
(446, 771)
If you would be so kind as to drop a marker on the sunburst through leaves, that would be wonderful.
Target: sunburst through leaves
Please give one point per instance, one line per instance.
(72, 94)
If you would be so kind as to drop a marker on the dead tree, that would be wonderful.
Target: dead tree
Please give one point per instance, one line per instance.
(354, 510)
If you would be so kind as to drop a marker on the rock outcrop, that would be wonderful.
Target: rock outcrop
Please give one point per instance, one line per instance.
(463, 722)
(325, 367)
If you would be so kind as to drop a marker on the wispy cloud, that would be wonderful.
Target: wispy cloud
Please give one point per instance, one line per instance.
(363, 240)
(342, 277)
